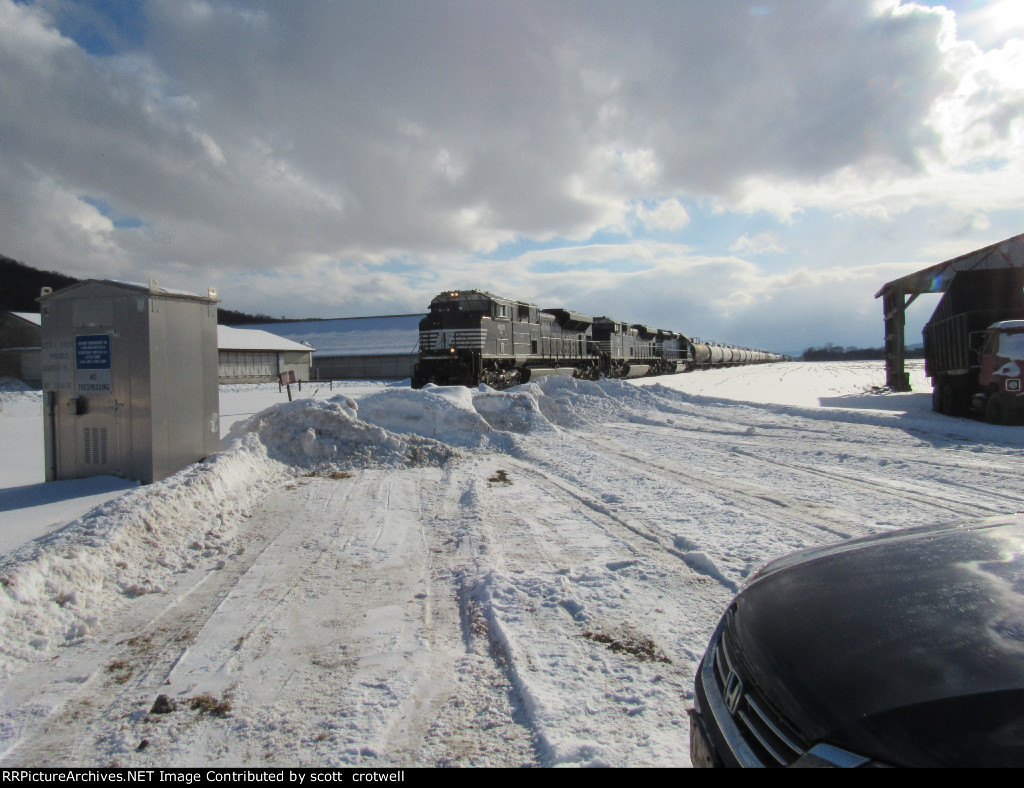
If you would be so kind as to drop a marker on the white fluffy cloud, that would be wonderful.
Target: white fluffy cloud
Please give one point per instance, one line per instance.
(322, 159)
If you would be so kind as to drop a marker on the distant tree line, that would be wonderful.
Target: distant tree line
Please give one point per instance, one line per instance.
(830, 352)
(229, 317)
(20, 286)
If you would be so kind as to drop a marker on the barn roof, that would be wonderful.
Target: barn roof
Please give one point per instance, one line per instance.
(935, 279)
(232, 338)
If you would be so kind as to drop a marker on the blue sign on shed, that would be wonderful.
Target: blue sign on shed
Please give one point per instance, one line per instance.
(92, 351)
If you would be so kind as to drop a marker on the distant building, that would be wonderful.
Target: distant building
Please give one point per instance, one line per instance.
(356, 347)
(254, 356)
(20, 347)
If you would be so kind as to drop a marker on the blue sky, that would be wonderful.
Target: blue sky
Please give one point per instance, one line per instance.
(747, 172)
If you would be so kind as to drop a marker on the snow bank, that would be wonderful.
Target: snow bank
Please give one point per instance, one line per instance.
(55, 591)
(443, 413)
(13, 390)
(322, 437)
(485, 418)
(13, 384)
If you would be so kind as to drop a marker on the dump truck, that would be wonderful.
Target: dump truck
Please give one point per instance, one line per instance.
(974, 346)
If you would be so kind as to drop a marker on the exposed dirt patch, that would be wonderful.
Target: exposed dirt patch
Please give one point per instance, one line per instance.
(625, 642)
(336, 475)
(207, 704)
(500, 477)
(120, 671)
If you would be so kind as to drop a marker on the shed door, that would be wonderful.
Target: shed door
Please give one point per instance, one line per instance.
(97, 403)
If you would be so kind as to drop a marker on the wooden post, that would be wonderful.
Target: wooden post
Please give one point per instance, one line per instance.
(894, 312)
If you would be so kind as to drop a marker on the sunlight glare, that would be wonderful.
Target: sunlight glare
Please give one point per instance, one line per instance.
(1006, 15)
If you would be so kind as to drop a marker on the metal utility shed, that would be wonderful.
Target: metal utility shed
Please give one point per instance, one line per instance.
(129, 380)
(898, 294)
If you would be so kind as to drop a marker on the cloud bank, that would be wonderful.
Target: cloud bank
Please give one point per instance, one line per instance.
(749, 171)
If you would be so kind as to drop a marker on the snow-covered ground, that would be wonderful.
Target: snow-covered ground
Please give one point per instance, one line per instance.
(377, 576)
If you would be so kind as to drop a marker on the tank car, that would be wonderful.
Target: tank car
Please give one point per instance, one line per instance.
(700, 354)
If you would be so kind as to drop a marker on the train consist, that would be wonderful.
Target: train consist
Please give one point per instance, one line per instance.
(472, 337)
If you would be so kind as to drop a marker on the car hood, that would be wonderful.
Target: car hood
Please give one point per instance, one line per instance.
(907, 647)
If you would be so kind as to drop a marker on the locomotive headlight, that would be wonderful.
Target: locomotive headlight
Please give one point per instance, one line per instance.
(454, 294)
(451, 349)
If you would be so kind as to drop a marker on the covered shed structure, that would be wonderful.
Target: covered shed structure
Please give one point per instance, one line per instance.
(900, 293)
(253, 356)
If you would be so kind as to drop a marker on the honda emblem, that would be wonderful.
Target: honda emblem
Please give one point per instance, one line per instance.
(733, 692)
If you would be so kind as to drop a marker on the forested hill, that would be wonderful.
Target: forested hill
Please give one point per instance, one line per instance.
(20, 285)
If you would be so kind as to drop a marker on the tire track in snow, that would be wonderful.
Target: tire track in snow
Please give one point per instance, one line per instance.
(291, 630)
(534, 588)
(900, 490)
(914, 456)
(484, 721)
(150, 640)
(643, 465)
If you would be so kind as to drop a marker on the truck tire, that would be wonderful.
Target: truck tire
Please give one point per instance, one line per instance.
(950, 400)
(996, 411)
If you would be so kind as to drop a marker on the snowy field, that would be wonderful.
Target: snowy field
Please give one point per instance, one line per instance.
(376, 576)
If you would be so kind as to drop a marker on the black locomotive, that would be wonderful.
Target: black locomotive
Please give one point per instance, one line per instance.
(472, 337)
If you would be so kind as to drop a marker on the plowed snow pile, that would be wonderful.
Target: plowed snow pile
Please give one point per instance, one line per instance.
(321, 437)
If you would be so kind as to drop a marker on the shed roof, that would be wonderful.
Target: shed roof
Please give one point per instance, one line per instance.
(153, 288)
(35, 318)
(935, 279)
(231, 338)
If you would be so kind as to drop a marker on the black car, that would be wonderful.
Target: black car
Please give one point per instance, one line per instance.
(905, 649)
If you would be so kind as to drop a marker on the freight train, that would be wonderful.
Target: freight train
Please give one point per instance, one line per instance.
(472, 336)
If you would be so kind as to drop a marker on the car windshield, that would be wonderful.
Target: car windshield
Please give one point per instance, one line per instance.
(1011, 345)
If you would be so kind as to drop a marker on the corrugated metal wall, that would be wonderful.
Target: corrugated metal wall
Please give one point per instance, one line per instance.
(387, 367)
(261, 366)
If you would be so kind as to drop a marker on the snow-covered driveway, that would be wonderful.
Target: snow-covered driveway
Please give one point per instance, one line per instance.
(447, 577)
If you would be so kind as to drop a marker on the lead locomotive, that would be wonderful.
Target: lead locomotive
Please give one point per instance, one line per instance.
(472, 337)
